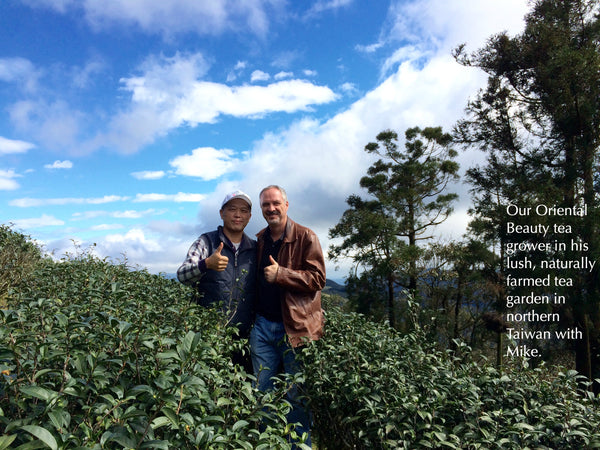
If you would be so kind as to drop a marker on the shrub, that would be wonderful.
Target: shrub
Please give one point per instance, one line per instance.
(18, 258)
(94, 355)
(371, 388)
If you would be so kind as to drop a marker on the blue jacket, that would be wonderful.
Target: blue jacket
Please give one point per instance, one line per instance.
(232, 289)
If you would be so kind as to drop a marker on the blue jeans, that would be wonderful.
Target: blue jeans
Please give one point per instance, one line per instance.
(270, 351)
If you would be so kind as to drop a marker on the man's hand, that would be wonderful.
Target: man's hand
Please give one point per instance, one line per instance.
(216, 261)
(271, 271)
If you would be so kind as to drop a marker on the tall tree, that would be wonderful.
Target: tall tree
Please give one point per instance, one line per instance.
(407, 197)
(541, 113)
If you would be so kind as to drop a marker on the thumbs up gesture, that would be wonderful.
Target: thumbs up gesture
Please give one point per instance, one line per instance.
(216, 261)
(271, 271)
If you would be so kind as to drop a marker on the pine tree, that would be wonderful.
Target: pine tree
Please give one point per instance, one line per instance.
(407, 197)
(539, 121)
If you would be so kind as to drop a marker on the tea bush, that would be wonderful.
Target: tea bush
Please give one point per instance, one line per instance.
(370, 388)
(94, 355)
(18, 258)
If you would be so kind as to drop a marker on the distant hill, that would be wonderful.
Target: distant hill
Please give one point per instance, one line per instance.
(333, 287)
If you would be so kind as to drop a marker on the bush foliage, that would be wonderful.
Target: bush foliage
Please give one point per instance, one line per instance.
(18, 257)
(95, 355)
(371, 388)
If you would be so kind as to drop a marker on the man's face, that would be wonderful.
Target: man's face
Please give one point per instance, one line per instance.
(236, 215)
(274, 207)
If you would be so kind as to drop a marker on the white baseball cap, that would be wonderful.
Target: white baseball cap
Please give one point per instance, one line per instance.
(236, 194)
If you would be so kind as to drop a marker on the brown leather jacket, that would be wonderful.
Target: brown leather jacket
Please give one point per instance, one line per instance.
(301, 274)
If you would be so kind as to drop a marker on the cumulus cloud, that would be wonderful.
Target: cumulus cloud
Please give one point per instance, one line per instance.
(60, 165)
(259, 75)
(156, 251)
(38, 222)
(168, 17)
(180, 197)
(133, 214)
(167, 93)
(206, 162)
(149, 174)
(34, 202)
(127, 214)
(159, 246)
(170, 93)
(107, 227)
(424, 24)
(328, 5)
(7, 180)
(282, 75)
(8, 146)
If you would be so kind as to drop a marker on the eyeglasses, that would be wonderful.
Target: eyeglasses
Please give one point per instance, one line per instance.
(234, 209)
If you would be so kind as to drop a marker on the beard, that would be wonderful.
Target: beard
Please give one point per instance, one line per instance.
(273, 218)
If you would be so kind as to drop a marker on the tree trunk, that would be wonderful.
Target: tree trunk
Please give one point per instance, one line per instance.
(390, 303)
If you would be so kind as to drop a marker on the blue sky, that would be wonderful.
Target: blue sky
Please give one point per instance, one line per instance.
(123, 124)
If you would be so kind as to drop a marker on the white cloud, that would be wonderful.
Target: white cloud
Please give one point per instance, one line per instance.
(8, 146)
(134, 241)
(371, 48)
(348, 88)
(285, 59)
(54, 123)
(170, 94)
(170, 17)
(159, 250)
(34, 202)
(128, 214)
(133, 214)
(60, 165)
(38, 222)
(326, 5)
(107, 227)
(149, 174)
(206, 101)
(7, 182)
(403, 55)
(160, 246)
(259, 75)
(180, 197)
(425, 23)
(206, 162)
(282, 75)
(236, 71)
(82, 77)
(19, 71)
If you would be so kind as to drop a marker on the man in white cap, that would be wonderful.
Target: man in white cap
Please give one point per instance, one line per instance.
(221, 265)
